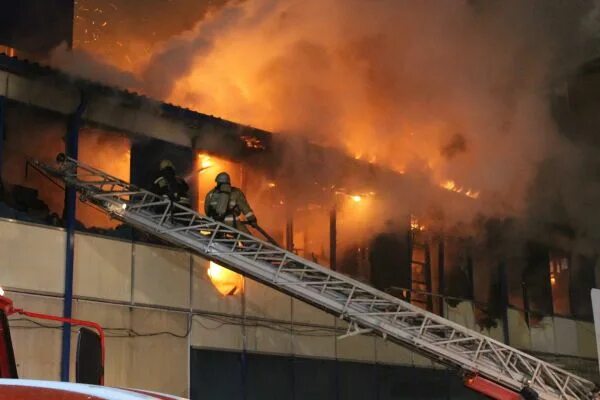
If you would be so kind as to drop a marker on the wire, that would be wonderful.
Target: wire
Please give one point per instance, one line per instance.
(221, 321)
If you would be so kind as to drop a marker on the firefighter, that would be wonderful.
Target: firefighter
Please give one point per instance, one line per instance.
(227, 204)
(168, 184)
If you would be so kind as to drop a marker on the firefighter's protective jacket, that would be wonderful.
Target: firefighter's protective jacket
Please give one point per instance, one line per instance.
(172, 186)
(226, 203)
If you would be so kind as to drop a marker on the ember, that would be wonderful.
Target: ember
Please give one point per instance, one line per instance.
(253, 142)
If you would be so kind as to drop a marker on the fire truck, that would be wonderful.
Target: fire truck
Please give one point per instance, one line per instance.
(89, 365)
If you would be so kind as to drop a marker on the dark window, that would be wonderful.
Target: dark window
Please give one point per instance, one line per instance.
(536, 280)
(582, 280)
(458, 275)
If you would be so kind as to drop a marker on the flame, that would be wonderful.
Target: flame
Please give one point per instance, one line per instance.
(552, 279)
(272, 184)
(230, 83)
(453, 187)
(415, 225)
(205, 162)
(356, 197)
(225, 281)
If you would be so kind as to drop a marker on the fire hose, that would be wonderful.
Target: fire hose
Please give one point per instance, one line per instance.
(262, 232)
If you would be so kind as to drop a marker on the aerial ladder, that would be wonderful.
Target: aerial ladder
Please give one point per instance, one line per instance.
(490, 367)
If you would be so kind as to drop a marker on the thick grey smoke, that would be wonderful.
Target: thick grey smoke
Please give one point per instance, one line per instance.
(175, 59)
(446, 90)
(86, 65)
(458, 89)
(453, 93)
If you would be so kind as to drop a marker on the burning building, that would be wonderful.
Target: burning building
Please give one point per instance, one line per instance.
(418, 237)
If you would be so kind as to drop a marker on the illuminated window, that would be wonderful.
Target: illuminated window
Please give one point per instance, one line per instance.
(559, 275)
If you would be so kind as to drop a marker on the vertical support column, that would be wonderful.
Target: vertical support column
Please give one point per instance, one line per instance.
(72, 150)
(441, 276)
(289, 232)
(525, 302)
(333, 238)
(427, 267)
(470, 274)
(504, 301)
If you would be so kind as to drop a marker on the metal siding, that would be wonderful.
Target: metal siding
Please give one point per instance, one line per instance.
(162, 276)
(102, 268)
(32, 257)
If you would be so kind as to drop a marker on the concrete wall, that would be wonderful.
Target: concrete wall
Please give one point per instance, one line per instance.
(139, 292)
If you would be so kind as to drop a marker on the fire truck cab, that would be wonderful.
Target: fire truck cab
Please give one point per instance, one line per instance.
(89, 366)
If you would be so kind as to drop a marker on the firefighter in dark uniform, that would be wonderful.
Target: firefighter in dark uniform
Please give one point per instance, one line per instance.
(168, 184)
(227, 204)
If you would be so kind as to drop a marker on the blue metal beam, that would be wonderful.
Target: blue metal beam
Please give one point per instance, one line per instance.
(72, 150)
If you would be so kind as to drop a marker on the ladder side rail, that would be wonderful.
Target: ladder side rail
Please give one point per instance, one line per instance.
(464, 361)
(267, 273)
(116, 203)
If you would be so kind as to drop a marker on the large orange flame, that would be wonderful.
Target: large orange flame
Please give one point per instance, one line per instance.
(226, 282)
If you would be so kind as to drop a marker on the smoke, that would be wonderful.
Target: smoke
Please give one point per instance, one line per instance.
(452, 93)
(443, 91)
(176, 57)
(456, 89)
(86, 65)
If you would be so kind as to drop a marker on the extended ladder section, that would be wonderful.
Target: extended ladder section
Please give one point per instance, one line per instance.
(363, 307)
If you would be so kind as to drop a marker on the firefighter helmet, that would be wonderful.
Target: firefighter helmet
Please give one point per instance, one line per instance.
(223, 177)
(164, 164)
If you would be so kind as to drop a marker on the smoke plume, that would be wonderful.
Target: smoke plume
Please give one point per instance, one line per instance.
(458, 89)
(456, 93)
(449, 93)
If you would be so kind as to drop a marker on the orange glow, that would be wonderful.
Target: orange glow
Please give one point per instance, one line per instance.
(226, 282)
(272, 184)
(552, 279)
(356, 198)
(110, 153)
